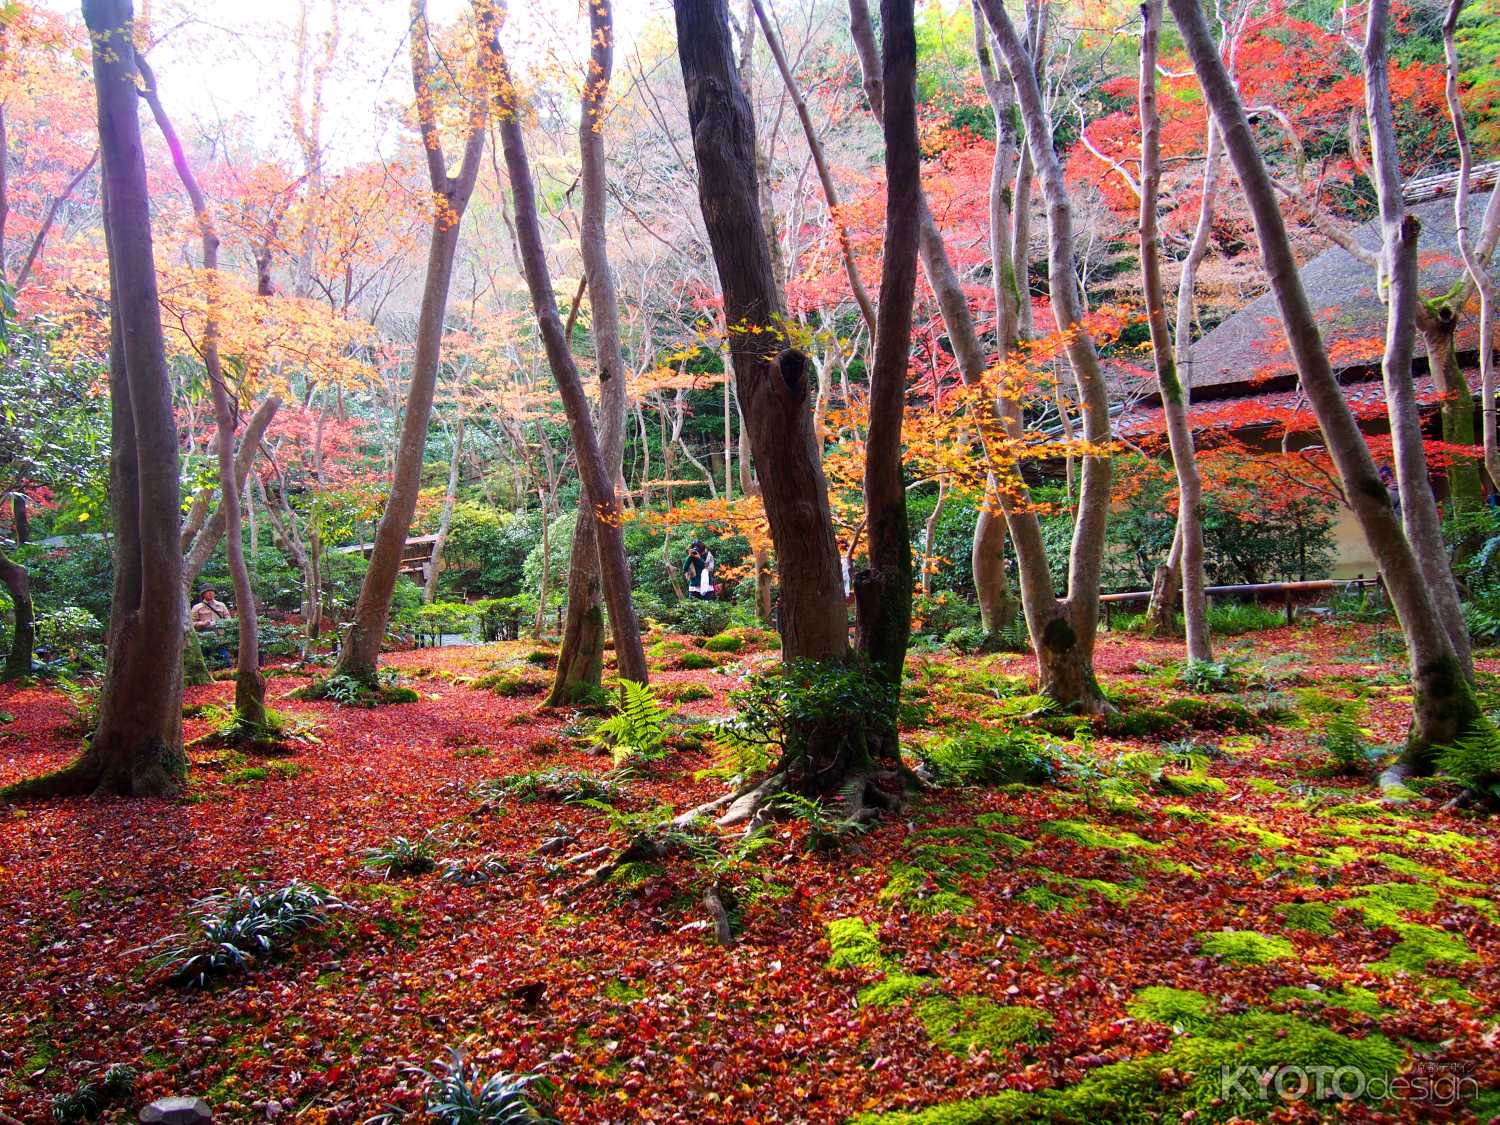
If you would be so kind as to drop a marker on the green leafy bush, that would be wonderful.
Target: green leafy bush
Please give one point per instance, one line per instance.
(559, 785)
(1474, 761)
(457, 1093)
(1229, 619)
(724, 642)
(638, 728)
(70, 637)
(236, 928)
(696, 661)
(94, 1096)
(699, 618)
(985, 756)
(401, 856)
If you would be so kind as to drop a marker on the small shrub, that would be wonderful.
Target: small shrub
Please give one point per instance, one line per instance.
(510, 684)
(724, 642)
(1474, 761)
(696, 661)
(982, 756)
(347, 691)
(637, 729)
(699, 618)
(1229, 619)
(560, 786)
(401, 856)
(234, 929)
(457, 1093)
(94, 1096)
(1347, 751)
(1207, 676)
(966, 638)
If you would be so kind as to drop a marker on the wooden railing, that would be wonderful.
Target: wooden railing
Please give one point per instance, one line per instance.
(1288, 592)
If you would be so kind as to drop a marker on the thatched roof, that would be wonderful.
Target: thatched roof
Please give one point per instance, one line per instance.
(1249, 348)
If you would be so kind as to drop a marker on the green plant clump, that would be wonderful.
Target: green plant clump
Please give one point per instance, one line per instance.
(236, 928)
(853, 945)
(971, 1023)
(1246, 947)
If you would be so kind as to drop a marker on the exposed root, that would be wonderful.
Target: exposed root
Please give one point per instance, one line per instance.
(749, 801)
(1392, 782)
(639, 850)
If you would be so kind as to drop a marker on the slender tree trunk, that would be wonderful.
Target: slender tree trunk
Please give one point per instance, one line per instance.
(750, 489)
(1444, 706)
(1173, 399)
(580, 663)
(249, 684)
(539, 626)
(1423, 526)
(136, 749)
(1166, 584)
(882, 593)
(23, 637)
(997, 610)
(361, 652)
(594, 471)
(1063, 632)
(445, 522)
(772, 383)
(929, 537)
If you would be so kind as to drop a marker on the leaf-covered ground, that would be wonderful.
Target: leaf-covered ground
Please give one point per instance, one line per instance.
(1095, 949)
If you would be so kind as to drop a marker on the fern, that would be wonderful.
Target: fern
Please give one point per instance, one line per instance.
(1474, 761)
(638, 728)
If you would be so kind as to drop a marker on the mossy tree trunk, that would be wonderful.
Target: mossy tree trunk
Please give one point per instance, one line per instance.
(23, 637)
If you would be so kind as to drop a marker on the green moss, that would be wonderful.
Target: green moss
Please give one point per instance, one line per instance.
(1047, 900)
(854, 945)
(1097, 836)
(695, 661)
(1186, 812)
(894, 989)
(1246, 947)
(1363, 810)
(1188, 1076)
(972, 1023)
(1214, 715)
(1248, 827)
(1351, 998)
(997, 820)
(724, 642)
(1382, 904)
(1263, 785)
(1309, 917)
(1421, 946)
(1189, 784)
(1176, 1007)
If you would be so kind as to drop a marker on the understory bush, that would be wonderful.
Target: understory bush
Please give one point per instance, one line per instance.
(457, 1092)
(981, 755)
(637, 729)
(234, 929)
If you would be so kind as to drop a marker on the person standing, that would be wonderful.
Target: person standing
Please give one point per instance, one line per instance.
(699, 571)
(206, 617)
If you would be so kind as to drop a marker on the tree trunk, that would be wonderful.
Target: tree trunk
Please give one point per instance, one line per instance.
(997, 610)
(750, 488)
(1445, 706)
(249, 684)
(361, 652)
(596, 474)
(580, 664)
(136, 749)
(23, 638)
(1423, 526)
(771, 382)
(883, 592)
(1173, 399)
(445, 523)
(1062, 632)
(1166, 584)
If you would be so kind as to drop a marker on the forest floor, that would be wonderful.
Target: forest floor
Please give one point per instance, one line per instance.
(1113, 946)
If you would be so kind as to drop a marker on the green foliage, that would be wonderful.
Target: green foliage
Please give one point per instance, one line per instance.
(1230, 619)
(698, 617)
(691, 661)
(1207, 675)
(724, 642)
(1348, 754)
(1246, 947)
(1176, 1007)
(853, 945)
(234, 929)
(70, 637)
(980, 755)
(828, 830)
(787, 711)
(94, 1095)
(638, 727)
(438, 619)
(1475, 761)
(971, 1023)
(401, 856)
(458, 1093)
(347, 691)
(560, 785)
(486, 550)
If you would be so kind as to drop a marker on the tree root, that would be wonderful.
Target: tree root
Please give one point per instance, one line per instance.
(1392, 783)
(79, 778)
(713, 899)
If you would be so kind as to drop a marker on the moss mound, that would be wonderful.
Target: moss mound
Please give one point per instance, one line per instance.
(1246, 947)
(972, 1023)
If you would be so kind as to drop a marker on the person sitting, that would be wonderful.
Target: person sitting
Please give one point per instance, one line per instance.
(206, 617)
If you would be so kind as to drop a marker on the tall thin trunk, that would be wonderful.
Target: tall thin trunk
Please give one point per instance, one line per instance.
(451, 193)
(760, 557)
(136, 749)
(820, 162)
(249, 684)
(882, 593)
(771, 381)
(1423, 526)
(23, 636)
(445, 521)
(581, 660)
(1063, 631)
(1173, 400)
(997, 610)
(595, 473)
(1445, 706)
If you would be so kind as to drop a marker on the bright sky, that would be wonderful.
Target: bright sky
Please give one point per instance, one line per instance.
(227, 65)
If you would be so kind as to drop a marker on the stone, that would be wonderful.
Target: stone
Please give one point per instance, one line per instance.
(177, 1111)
